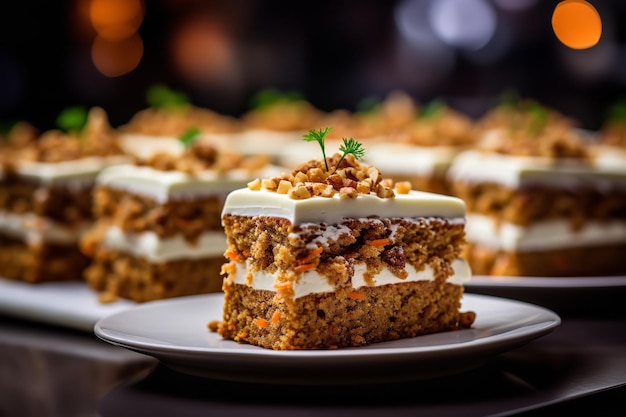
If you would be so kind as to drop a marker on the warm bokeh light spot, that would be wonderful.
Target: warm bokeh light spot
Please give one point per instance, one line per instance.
(116, 19)
(201, 50)
(116, 58)
(577, 24)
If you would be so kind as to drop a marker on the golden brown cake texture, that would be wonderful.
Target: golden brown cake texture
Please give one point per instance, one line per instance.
(131, 216)
(45, 197)
(548, 208)
(284, 315)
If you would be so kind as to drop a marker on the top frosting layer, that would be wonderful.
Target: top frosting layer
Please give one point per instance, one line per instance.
(163, 186)
(246, 202)
(72, 171)
(517, 171)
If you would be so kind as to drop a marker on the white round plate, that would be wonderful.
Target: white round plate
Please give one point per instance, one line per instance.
(547, 282)
(175, 331)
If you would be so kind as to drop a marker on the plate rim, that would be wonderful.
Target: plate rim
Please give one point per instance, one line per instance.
(534, 330)
(541, 282)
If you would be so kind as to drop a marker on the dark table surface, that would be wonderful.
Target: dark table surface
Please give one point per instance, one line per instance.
(580, 366)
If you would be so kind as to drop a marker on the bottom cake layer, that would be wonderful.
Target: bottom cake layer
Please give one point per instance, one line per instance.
(341, 319)
(577, 261)
(116, 274)
(42, 262)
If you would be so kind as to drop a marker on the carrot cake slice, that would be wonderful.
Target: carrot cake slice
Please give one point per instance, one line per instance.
(45, 196)
(539, 205)
(159, 127)
(158, 232)
(332, 255)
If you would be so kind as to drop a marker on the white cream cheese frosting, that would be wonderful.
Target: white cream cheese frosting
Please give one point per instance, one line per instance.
(148, 245)
(311, 282)
(77, 174)
(400, 158)
(36, 229)
(518, 171)
(246, 202)
(163, 186)
(544, 235)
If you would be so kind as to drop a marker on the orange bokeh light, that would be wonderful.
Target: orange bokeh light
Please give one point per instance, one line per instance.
(577, 24)
(116, 19)
(116, 58)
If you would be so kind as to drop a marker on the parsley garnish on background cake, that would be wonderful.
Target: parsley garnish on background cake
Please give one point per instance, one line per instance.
(269, 97)
(162, 97)
(72, 119)
(189, 137)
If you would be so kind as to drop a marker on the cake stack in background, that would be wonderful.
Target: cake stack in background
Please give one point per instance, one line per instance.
(170, 116)
(158, 232)
(537, 203)
(45, 195)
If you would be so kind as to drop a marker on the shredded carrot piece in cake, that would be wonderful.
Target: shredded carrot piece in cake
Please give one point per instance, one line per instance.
(356, 296)
(275, 317)
(87, 248)
(379, 242)
(304, 267)
(282, 285)
(242, 335)
(232, 256)
(261, 322)
(312, 254)
(231, 326)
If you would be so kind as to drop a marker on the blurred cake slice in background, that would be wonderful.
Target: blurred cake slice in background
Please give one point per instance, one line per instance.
(421, 151)
(158, 232)
(609, 145)
(537, 203)
(170, 116)
(277, 119)
(374, 121)
(45, 195)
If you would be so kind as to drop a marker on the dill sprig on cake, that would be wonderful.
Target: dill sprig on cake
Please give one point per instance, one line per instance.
(348, 147)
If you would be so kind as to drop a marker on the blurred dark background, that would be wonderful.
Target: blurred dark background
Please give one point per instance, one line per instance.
(335, 53)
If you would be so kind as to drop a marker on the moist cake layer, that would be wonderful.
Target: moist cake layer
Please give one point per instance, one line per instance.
(41, 262)
(344, 318)
(119, 274)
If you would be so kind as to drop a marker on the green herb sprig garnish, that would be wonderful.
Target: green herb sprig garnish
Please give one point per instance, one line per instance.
(538, 117)
(72, 119)
(433, 109)
(349, 146)
(162, 97)
(189, 137)
(368, 105)
(318, 136)
(269, 97)
(617, 112)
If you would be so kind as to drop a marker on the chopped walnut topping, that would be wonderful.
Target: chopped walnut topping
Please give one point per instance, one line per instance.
(201, 157)
(552, 142)
(97, 138)
(349, 180)
(176, 121)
